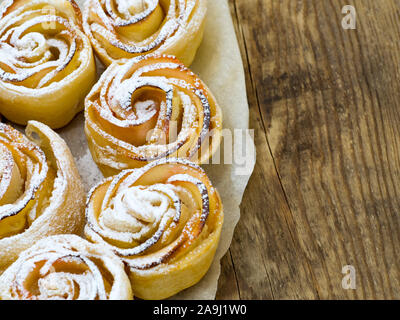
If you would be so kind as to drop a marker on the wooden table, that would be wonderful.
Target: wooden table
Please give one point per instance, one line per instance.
(325, 193)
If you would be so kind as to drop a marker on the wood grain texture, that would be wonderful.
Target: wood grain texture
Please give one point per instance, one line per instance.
(325, 107)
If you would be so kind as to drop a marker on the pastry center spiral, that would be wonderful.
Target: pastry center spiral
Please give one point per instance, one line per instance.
(129, 8)
(64, 285)
(135, 213)
(141, 203)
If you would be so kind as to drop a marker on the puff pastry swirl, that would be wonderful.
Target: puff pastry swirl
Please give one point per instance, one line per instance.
(41, 192)
(66, 267)
(129, 28)
(164, 220)
(149, 108)
(46, 61)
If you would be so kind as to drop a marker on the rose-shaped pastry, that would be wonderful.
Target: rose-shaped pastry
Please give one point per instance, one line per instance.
(66, 267)
(41, 192)
(46, 61)
(164, 220)
(149, 108)
(129, 28)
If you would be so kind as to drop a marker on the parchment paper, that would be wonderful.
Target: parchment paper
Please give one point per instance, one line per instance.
(219, 65)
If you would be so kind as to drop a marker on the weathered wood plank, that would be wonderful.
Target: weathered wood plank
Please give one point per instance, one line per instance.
(330, 106)
(266, 257)
(227, 285)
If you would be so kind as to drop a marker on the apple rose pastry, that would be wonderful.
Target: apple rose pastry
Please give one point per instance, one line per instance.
(66, 267)
(46, 62)
(129, 28)
(163, 220)
(149, 108)
(41, 192)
